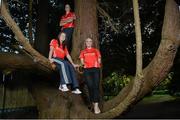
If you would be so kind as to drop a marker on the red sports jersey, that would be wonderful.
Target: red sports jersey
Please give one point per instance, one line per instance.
(90, 57)
(66, 17)
(58, 50)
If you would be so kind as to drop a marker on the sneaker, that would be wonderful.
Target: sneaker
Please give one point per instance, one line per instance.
(96, 108)
(63, 88)
(77, 91)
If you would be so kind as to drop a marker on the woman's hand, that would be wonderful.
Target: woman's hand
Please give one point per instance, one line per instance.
(75, 65)
(51, 60)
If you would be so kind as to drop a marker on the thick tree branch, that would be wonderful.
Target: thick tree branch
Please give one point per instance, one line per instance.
(12, 61)
(15, 61)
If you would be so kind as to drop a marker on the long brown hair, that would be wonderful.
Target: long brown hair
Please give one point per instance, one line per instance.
(64, 43)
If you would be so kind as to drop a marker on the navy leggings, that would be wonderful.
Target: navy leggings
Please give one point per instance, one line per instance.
(67, 73)
(92, 79)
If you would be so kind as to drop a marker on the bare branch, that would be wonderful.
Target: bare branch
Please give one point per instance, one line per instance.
(106, 15)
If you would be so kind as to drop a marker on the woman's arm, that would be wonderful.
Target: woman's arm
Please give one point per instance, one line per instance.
(63, 22)
(70, 60)
(99, 60)
(82, 61)
(50, 54)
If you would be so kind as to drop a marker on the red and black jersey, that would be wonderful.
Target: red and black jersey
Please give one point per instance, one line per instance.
(90, 57)
(58, 49)
(66, 17)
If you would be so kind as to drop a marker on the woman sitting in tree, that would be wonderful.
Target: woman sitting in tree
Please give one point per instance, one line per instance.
(58, 51)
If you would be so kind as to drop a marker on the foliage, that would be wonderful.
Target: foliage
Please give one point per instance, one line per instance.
(114, 83)
(163, 88)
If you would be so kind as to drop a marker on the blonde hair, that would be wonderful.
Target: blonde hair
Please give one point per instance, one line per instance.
(93, 44)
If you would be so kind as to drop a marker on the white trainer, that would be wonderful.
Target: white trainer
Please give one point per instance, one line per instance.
(77, 91)
(63, 88)
(96, 108)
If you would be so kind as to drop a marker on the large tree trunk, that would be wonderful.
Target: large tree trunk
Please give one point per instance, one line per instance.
(55, 104)
(86, 25)
(42, 43)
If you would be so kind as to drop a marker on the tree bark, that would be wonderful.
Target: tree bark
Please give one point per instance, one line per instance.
(86, 25)
(138, 38)
(41, 43)
(15, 61)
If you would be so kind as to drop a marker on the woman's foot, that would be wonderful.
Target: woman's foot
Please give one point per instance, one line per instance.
(96, 108)
(77, 91)
(63, 88)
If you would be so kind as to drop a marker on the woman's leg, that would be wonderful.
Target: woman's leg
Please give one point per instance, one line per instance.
(64, 75)
(96, 93)
(62, 67)
(88, 80)
(62, 80)
(96, 81)
(72, 75)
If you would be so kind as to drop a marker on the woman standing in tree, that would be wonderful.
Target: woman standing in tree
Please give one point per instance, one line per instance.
(58, 51)
(67, 23)
(91, 59)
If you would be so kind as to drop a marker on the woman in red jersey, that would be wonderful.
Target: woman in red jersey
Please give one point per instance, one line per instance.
(91, 60)
(67, 24)
(58, 51)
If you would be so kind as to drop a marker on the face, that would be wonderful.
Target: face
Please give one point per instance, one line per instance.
(62, 37)
(88, 42)
(67, 8)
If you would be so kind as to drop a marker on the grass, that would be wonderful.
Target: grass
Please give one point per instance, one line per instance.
(158, 98)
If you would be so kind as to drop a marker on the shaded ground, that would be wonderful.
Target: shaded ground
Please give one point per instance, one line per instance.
(19, 113)
(156, 106)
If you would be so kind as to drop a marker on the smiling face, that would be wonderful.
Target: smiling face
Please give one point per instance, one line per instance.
(62, 37)
(67, 8)
(88, 42)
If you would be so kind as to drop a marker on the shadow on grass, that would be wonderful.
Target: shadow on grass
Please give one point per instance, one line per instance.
(157, 106)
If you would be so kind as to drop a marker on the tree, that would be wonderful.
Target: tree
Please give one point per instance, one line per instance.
(52, 104)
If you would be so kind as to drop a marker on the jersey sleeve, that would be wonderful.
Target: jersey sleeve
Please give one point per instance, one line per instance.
(81, 56)
(53, 43)
(98, 53)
